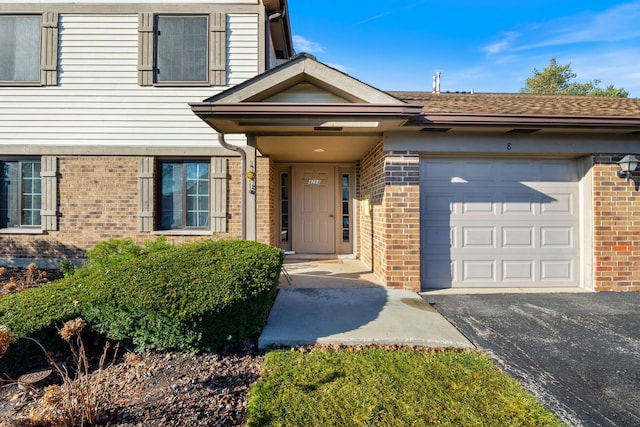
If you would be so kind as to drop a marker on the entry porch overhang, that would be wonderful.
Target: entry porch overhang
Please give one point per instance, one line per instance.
(270, 117)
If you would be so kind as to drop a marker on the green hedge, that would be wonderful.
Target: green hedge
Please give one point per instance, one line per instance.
(195, 297)
(198, 296)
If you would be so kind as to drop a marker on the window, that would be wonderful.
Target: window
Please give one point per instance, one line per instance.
(182, 49)
(20, 48)
(20, 193)
(182, 196)
(29, 49)
(346, 202)
(184, 200)
(284, 209)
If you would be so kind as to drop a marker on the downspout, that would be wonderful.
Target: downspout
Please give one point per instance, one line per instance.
(243, 182)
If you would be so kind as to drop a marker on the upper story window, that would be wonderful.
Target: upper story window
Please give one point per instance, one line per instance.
(29, 49)
(181, 49)
(20, 48)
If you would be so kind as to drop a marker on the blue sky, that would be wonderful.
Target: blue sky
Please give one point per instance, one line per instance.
(485, 46)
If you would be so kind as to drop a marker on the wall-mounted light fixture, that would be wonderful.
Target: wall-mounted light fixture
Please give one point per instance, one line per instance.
(627, 166)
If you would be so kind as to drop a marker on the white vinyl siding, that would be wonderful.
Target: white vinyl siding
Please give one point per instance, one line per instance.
(242, 47)
(98, 100)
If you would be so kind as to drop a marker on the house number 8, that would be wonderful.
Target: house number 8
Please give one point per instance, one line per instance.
(508, 146)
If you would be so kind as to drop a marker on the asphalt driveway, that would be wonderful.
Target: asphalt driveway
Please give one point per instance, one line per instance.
(579, 354)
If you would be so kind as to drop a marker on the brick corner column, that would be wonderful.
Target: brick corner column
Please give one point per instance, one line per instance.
(402, 220)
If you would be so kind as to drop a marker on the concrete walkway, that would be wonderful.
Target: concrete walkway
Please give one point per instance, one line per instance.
(340, 302)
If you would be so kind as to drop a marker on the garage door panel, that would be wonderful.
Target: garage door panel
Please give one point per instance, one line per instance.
(556, 237)
(440, 240)
(439, 270)
(479, 237)
(517, 204)
(480, 270)
(438, 204)
(475, 170)
(477, 203)
(518, 237)
(516, 228)
(518, 270)
(558, 171)
(557, 270)
(514, 170)
(560, 203)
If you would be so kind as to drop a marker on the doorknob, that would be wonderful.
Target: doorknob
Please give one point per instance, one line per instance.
(330, 215)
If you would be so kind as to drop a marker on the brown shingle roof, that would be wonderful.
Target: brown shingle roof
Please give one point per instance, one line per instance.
(522, 104)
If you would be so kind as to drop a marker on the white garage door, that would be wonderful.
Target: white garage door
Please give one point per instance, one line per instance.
(499, 223)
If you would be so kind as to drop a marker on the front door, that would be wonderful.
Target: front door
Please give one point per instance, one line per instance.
(314, 227)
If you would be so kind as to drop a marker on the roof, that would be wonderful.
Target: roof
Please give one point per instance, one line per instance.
(522, 104)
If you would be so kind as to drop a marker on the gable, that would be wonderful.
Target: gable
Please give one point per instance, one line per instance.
(308, 93)
(302, 75)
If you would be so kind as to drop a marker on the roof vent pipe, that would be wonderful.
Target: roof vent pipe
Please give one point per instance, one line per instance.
(243, 180)
(433, 86)
(438, 74)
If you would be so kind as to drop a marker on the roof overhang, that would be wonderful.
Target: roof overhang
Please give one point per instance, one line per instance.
(267, 118)
(514, 121)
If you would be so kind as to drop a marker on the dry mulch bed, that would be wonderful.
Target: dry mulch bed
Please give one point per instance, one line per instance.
(159, 388)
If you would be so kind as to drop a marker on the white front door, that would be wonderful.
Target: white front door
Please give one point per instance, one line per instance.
(314, 227)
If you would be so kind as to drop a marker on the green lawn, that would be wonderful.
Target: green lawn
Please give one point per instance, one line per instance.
(377, 387)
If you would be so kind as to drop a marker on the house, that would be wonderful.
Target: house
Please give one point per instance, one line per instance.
(430, 190)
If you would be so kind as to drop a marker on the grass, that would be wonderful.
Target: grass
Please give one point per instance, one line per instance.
(377, 387)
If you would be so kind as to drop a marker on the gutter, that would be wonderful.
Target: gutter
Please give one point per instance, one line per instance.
(583, 121)
(243, 182)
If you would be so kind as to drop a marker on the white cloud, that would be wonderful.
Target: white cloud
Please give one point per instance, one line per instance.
(302, 44)
(340, 67)
(502, 45)
(373, 18)
(615, 24)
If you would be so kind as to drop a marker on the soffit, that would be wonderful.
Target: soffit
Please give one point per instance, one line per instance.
(314, 148)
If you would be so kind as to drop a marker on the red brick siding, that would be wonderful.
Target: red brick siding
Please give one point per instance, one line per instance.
(97, 200)
(402, 220)
(266, 182)
(616, 228)
(372, 250)
(389, 239)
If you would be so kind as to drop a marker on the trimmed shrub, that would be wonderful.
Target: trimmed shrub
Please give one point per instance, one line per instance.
(36, 312)
(199, 296)
(109, 253)
(38, 308)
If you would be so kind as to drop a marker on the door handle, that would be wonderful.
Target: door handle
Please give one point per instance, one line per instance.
(330, 215)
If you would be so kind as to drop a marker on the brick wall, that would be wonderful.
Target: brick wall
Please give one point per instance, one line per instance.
(97, 200)
(266, 182)
(402, 220)
(371, 186)
(616, 228)
(390, 238)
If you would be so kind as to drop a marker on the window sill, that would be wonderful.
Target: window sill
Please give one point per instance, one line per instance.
(18, 83)
(18, 230)
(182, 233)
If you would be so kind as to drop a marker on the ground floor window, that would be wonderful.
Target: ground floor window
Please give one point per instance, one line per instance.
(345, 203)
(284, 209)
(20, 193)
(184, 194)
